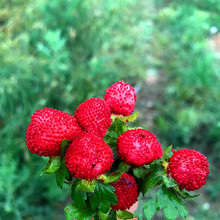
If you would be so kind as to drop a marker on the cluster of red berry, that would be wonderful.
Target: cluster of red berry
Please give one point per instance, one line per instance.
(88, 156)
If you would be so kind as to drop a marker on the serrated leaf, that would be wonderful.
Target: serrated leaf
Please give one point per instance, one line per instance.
(169, 182)
(87, 185)
(140, 172)
(169, 201)
(78, 196)
(124, 214)
(52, 165)
(128, 118)
(150, 208)
(94, 200)
(72, 212)
(106, 192)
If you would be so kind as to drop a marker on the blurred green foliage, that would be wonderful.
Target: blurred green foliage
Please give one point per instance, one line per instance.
(56, 54)
(59, 53)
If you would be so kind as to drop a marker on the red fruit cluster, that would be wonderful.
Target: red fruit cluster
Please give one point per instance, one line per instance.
(138, 147)
(126, 191)
(94, 115)
(47, 129)
(189, 168)
(121, 98)
(88, 156)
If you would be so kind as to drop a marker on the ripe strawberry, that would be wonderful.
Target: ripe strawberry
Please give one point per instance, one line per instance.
(189, 168)
(94, 115)
(138, 147)
(88, 156)
(47, 129)
(121, 98)
(126, 191)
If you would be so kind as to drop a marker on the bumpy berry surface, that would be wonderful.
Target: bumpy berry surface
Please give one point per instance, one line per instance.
(121, 98)
(126, 191)
(138, 147)
(47, 129)
(94, 115)
(189, 168)
(88, 156)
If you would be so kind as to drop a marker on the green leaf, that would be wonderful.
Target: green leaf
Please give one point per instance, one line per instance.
(150, 208)
(124, 214)
(169, 201)
(128, 118)
(78, 196)
(72, 212)
(65, 144)
(169, 182)
(153, 178)
(112, 215)
(52, 165)
(104, 206)
(87, 185)
(140, 172)
(106, 192)
(123, 167)
(94, 200)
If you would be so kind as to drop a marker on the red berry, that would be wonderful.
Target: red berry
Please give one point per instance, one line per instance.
(47, 129)
(126, 191)
(88, 156)
(94, 115)
(189, 168)
(138, 147)
(121, 98)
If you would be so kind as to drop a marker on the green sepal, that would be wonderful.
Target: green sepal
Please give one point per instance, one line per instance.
(87, 185)
(65, 144)
(167, 154)
(132, 117)
(153, 178)
(169, 182)
(78, 197)
(140, 172)
(72, 212)
(183, 194)
(52, 165)
(124, 214)
(111, 178)
(123, 167)
(171, 203)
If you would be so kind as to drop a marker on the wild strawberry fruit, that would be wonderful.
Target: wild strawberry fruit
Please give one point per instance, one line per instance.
(94, 115)
(126, 191)
(47, 129)
(138, 147)
(88, 156)
(121, 98)
(189, 168)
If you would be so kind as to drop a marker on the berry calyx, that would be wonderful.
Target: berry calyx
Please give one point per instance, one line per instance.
(138, 147)
(189, 168)
(88, 156)
(47, 129)
(121, 98)
(126, 191)
(94, 115)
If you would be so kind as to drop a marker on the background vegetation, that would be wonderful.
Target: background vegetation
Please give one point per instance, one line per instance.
(59, 53)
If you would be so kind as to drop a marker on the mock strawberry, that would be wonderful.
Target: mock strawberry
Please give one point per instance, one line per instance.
(88, 156)
(47, 129)
(126, 191)
(189, 168)
(138, 147)
(94, 115)
(121, 98)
